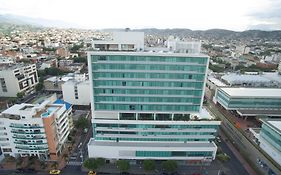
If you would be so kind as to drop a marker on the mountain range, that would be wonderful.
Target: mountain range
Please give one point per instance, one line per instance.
(22, 20)
(13, 20)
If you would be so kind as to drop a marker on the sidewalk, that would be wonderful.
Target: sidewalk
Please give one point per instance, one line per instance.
(214, 168)
(245, 164)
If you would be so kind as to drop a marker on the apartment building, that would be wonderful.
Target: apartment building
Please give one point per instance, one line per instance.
(35, 129)
(148, 105)
(17, 78)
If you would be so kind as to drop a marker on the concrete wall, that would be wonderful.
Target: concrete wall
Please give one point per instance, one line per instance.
(83, 90)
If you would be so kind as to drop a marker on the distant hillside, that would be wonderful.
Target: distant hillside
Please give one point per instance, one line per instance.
(7, 28)
(215, 33)
(22, 20)
(9, 22)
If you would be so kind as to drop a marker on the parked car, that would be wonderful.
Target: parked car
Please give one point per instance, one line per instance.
(92, 173)
(54, 172)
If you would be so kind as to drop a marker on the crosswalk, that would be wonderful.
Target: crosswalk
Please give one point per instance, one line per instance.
(74, 163)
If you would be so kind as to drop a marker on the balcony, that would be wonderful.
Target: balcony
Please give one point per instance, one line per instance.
(11, 117)
(29, 138)
(29, 148)
(27, 132)
(27, 143)
(25, 127)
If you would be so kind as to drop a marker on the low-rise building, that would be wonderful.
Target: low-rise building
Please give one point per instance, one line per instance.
(176, 45)
(63, 52)
(247, 80)
(270, 138)
(75, 67)
(54, 84)
(212, 84)
(6, 61)
(17, 78)
(76, 92)
(121, 41)
(250, 101)
(64, 63)
(35, 130)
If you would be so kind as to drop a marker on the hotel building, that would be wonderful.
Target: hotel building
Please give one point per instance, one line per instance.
(148, 105)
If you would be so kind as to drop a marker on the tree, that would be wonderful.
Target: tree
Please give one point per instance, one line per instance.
(53, 71)
(31, 161)
(75, 48)
(20, 94)
(80, 60)
(216, 68)
(10, 159)
(123, 165)
(81, 123)
(169, 165)
(47, 49)
(55, 165)
(149, 165)
(100, 161)
(223, 157)
(19, 162)
(43, 165)
(65, 156)
(39, 86)
(93, 164)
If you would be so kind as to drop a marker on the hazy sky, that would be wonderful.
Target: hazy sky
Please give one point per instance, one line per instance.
(193, 14)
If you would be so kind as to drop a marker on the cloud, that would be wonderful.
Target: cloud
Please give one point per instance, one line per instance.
(269, 18)
(199, 14)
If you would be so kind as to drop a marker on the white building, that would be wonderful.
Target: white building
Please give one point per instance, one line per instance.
(34, 129)
(76, 92)
(17, 78)
(234, 79)
(176, 45)
(55, 83)
(122, 41)
(6, 61)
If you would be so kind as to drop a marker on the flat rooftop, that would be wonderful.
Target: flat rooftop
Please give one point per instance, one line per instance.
(237, 78)
(246, 112)
(273, 123)
(156, 144)
(217, 82)
(14, 66)
(18, 109)
(253, 92)
(144, 53)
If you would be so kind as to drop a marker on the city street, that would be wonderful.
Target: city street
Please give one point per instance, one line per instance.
(80, 152)
(234, 165)
(247, 149)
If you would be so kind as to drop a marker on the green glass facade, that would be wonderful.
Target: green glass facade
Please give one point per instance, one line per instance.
(149, 98)
(147, 132)
(247, 102)
(174, 154)
(148, 83)
(271, 136)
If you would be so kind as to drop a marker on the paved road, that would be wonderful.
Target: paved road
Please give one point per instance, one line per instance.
(81, 151)
(244, 146)
(234, 165)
